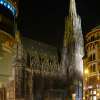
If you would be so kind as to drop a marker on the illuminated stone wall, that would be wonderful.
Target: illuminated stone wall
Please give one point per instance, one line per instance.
(72, 52)
(73, 41)
(6, 43)
(8, 12)
(92, 65)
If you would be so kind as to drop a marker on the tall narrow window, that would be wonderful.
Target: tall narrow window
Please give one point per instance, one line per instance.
(92, 38)
(93, 57)
(94, 68)
(90, 68)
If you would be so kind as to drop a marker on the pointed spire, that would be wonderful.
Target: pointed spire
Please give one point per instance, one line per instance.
(17, 37)
(72, 8)
(19, 46)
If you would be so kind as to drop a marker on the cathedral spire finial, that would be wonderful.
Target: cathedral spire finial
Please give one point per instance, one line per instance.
(72, 8)
(17, 37)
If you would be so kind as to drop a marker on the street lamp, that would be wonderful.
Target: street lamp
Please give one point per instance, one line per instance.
(98, 94)
(86, 72)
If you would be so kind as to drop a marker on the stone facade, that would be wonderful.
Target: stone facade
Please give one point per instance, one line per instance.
(92, 65)
(37, 72)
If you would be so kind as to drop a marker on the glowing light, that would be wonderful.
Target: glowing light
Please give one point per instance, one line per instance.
(86, 71)
(1, 2)
(98, 94)
(9, 6)
(5, 4)
(90, 87)
(83, 98)
(73, 96)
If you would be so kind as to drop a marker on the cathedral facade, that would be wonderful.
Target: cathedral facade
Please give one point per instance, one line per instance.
(37, 72)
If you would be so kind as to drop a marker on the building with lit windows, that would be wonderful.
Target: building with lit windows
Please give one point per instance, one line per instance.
(8, 15)
(92, 65)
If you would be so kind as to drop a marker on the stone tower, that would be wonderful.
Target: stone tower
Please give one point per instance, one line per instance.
(28, 79)
(22, 71)
(73, 47)
(73, 39)
(19, 68)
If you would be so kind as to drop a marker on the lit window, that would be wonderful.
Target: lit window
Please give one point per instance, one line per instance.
(94, 92)
(91, 92)
(94, 97)
(90, 87)
(90, 97)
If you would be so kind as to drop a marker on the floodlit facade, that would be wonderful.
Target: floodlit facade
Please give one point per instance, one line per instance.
(38, 73)
(92, 65)
(73, 50)
(8, 14)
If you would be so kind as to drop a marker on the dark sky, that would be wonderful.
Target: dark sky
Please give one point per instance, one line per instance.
(43, 20)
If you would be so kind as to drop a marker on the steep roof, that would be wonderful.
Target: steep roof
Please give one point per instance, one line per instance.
(42, 48)
(97, 27)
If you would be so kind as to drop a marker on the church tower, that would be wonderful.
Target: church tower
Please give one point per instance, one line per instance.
(22, 71)
(19, 68)
(73, 38)
(72, 47)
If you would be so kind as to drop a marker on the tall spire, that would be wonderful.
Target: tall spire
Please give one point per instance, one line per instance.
(17, 37)
(73, 38)
(72, 8)
(19, 46)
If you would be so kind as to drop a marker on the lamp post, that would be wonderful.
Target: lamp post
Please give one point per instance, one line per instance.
(86, 72)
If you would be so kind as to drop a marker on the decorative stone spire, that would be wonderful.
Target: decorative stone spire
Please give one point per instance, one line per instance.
(72, 24)
(17, 37)
(73, 45)
(73, 38)
(19, 46)
(72, 8)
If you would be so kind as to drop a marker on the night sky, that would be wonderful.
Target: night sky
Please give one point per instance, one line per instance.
(43, 20)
